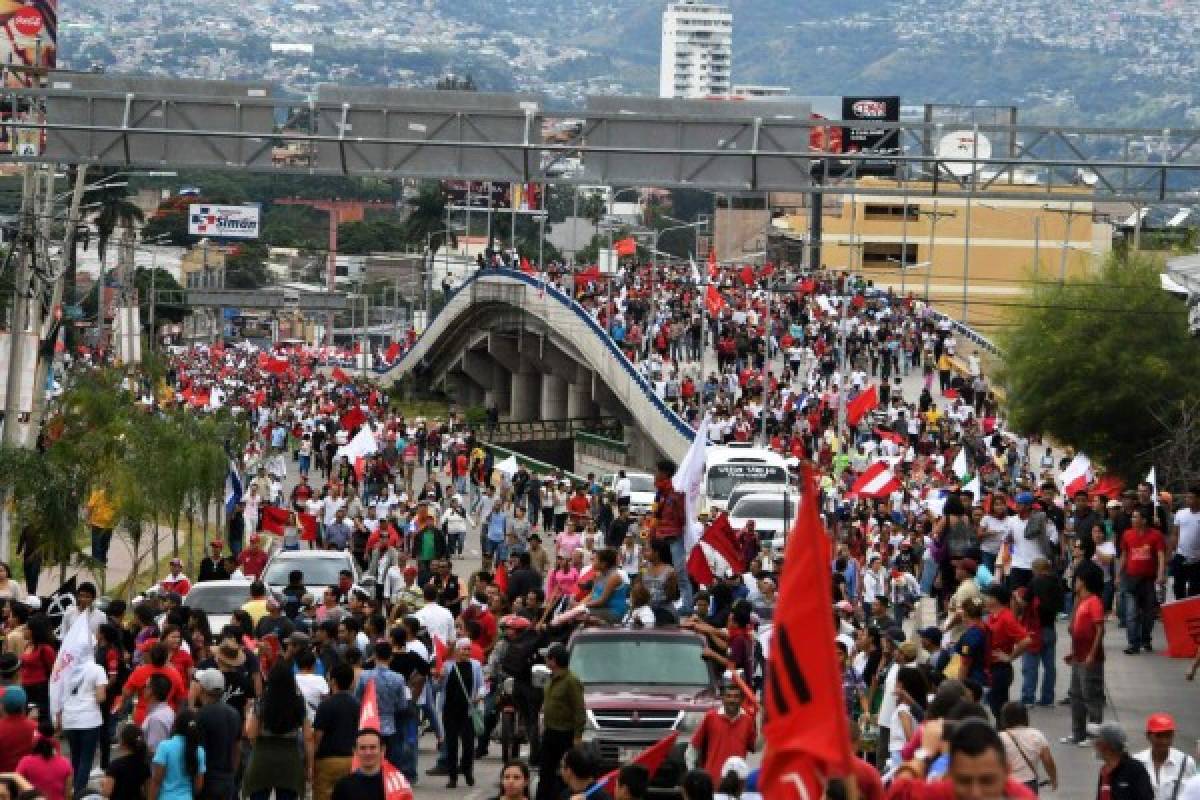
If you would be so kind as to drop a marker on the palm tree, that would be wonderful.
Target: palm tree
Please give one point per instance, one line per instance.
(427, 218)
(593, 209)
(114, 210)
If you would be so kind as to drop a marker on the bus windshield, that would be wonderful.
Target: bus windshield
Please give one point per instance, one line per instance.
(722, 478)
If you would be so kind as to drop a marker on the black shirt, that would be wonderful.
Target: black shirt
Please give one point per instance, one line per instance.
(615, 536)
(521, 581)
(357, 786)
(220, 730)
(129, 774)
(337, 719)
(407, 663)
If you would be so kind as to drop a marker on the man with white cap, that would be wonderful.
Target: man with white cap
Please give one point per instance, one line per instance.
(1168, 767)
(220, 732)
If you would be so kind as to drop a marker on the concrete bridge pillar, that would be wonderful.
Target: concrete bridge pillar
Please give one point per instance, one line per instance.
(579, 401)
(526, 397)
(554, 397)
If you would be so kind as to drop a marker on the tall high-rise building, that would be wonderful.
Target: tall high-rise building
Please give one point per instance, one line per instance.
(697, 49)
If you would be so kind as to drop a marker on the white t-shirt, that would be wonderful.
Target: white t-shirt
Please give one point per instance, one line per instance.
(1031, 742)
(80, 709)
(1189, 533)
(896, 736)
(1024, 551)
(993, 529)
(312, 688)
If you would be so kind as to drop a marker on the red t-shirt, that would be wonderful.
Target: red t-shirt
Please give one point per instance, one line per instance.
(138, 683)
(1086, 626)
(36, 665)
(16, 740)
(1141, 552)
(252, 562)
(1005, 631)
(720, 738)
(579, 506)
(909, 789)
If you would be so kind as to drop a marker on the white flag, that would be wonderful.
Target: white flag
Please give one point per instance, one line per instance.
(975, 487)
(77, 651)
(960, 464)
(1076, 476)
(696, 279)
(689, 479)
(1152, 479)
(363, 444)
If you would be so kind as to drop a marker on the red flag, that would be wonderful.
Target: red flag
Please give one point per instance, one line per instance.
(626, 246)
(263, 358)
(352, 419)
(806, 724)
(440, 650)
(768, 269)
(713, 269)
(698, 569)
(651, 758)
(274, 519)
(500, 578)
(260, 397)
(276, 366)
(950, 394)
(308, 527)
(718, 535)
(393, 352)
(747, 274)
(1109, 485)
(395, 785)
(876, 480)
(339, 376)
(360, 464)
(713, 300)
(588, 276)
(860, 405)
(526, 267)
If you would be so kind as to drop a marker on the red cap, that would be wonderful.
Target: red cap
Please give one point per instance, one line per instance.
(1160, 723)
(217, 543)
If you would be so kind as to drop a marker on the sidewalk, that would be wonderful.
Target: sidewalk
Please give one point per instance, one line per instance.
(120, 562)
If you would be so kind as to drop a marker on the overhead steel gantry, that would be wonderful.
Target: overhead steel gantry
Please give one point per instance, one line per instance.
(729, 146)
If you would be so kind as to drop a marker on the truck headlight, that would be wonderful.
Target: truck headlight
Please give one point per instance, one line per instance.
(690, 721)
(591, 722)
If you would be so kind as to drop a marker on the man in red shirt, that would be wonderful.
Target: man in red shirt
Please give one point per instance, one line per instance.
(17, 731)
(725, 733)
(668, 521)
(1086, 656)
(253, 560)
(138, 682)
(1009, 640)
(580, 507)
(1142, 564)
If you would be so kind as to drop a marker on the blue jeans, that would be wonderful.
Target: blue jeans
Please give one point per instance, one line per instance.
(83, 752)
(1140, 605)
(408, 740)
(679, 562)
(1029, 670)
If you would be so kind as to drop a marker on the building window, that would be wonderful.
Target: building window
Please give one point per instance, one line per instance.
(888, 254)
(876, 211)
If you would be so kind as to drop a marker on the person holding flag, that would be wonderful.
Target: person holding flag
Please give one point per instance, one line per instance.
(78, 686)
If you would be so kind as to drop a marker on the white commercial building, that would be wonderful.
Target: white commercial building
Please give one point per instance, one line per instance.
(697, 50)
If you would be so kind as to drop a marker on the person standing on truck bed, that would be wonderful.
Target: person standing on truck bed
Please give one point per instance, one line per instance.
(563, 719)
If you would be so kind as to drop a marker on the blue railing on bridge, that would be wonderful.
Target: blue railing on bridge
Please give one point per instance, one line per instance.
(579, 311)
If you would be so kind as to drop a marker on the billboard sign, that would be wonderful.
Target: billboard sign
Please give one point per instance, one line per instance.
(224, 222)
(29, 44)
(862, 137)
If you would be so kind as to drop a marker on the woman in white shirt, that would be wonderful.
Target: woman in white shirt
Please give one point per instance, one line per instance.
(1026, 747)
(81, 719)
(911, 693)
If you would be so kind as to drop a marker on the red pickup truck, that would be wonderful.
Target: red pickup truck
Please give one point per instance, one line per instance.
(640, 686)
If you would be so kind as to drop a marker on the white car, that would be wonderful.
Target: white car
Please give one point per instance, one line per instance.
(773, 515)
(218, 599)
(320, 568)
(641, 490)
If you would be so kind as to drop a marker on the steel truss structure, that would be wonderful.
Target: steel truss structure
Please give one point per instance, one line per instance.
(131, 122)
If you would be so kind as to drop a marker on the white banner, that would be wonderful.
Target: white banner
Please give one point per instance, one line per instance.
(224, 222)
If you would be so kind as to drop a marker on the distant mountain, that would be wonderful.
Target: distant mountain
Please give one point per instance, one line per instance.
(1103, 62)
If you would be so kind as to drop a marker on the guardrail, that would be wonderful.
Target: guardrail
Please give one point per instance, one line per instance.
(552, 429)
(534, 466)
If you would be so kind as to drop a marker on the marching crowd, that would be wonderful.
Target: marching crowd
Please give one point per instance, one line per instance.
(944, 590)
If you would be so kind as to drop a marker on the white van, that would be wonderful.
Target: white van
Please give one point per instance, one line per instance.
(728, 466)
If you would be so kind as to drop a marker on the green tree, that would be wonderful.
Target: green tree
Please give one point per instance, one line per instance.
(247, 267)
(375, 234)
(1101, 363)
(113, 210)
(427, 218)
(159, 280)
(173, 225)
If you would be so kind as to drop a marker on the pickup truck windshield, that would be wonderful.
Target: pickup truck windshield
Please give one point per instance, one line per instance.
(643, 662)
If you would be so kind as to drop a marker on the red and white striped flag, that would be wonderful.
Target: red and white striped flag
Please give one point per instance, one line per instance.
(877, 480)
(1077, 476)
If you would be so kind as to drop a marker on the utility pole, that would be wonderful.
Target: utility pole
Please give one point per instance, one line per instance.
(18, 323)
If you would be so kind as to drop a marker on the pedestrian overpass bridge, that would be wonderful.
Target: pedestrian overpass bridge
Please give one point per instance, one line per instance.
(506, 339)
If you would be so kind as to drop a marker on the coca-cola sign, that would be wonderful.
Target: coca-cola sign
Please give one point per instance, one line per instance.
(870, 109)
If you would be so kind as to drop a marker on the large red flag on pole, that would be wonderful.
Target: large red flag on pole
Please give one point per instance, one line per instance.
(861, 404)
(651, 758)
(806, 729)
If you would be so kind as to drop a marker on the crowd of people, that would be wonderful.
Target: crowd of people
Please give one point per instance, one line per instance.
(944, 590)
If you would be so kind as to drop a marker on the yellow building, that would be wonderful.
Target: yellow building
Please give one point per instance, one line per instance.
(996, 247)
(203, 266)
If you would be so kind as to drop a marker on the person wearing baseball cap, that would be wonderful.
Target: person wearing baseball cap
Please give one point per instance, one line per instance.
(176, 581)
(1169, 768)
(212, 568)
